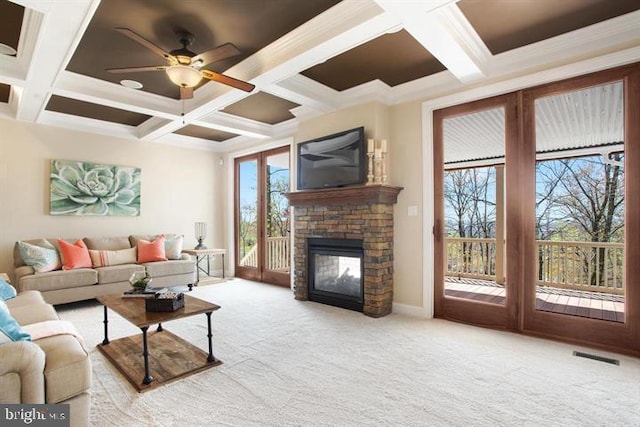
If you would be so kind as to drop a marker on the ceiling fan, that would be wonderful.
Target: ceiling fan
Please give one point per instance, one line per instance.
(183, 66)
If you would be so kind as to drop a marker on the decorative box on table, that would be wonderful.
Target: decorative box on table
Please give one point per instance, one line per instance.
(165, 302)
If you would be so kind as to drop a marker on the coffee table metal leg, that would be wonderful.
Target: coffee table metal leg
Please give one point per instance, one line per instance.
(145, 354)
(159, 327)
(105, 341)
(210, 358)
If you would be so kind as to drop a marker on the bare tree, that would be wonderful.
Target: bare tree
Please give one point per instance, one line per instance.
(582, 199)
(470, 212)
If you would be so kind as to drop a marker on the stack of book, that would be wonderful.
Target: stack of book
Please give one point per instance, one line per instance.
(148, 292)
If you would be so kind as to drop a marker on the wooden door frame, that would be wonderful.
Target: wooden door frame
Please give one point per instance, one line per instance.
(624, 337)
(244, 271)
(260, 273)
(520, 154)
(270, 276)
(499, 316)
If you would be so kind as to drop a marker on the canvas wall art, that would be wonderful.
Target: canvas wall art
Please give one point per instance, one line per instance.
(84, 188)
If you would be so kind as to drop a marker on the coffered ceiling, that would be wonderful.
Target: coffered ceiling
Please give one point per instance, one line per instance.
(305, 58)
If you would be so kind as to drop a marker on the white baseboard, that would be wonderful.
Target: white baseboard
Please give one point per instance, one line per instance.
(409, 310)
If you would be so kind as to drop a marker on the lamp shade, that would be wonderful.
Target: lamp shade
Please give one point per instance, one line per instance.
(183, 75)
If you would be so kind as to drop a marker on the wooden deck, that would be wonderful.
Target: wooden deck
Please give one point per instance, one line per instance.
(593, 305)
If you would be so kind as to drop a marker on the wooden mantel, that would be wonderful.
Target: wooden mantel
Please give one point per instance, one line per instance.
(353, 195)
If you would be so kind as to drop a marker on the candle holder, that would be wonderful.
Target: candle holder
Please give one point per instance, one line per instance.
(370, 173)
(383, 171)
(377, 169)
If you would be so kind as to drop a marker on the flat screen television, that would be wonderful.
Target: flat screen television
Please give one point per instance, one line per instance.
(332, 161)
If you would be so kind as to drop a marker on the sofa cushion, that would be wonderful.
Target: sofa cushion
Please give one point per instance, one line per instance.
(151, 251)
(34, 313)
(42, 257)
(25, 298)
(75, 255)
(107, 243)
(106, 258)
(68, 368)
(117, 273)
(169, 268)
(59, 279)
(10, 329)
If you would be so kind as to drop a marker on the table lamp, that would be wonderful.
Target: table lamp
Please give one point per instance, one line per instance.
(201, 233)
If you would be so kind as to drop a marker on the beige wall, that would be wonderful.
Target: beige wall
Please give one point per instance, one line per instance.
(405, 155)
(179, 186)
(401, 126)
(373, 116)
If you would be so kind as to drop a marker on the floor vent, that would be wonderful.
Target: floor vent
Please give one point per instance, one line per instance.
(596, 357)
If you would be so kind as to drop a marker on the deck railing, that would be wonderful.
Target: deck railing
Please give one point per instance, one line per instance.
(278, 255)
(589, 266)
(471, 258)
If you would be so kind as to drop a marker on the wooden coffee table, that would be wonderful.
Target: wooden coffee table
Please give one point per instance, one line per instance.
(170, 358)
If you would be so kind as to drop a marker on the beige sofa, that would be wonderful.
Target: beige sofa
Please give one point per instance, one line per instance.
(52, 369)
(63, 286)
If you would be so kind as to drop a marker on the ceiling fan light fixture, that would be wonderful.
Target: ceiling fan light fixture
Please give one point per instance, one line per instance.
(183, 75)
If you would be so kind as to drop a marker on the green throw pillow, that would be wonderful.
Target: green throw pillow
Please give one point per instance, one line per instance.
(42, 257)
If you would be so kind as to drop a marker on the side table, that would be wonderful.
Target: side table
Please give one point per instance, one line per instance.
(201, 255)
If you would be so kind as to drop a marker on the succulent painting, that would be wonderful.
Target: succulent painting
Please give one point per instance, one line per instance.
(82, 188)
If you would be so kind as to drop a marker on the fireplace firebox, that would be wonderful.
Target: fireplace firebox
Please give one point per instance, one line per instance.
(336, 272)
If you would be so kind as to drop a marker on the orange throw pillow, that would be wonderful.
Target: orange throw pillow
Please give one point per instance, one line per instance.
(151, 251)
(74, 256)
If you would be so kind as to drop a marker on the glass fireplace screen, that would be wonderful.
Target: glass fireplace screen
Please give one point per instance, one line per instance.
(338, 274)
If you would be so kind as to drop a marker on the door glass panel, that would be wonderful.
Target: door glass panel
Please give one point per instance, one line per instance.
(474, 206)
(580, 202)
(277, 213)
(248, 213)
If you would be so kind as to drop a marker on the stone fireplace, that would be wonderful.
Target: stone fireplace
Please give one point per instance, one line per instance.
(340, 219)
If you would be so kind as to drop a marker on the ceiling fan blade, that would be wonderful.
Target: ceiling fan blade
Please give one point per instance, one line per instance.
(229, 81)
(186, 92)
(137, 69)
(146, 43)
(225, 51)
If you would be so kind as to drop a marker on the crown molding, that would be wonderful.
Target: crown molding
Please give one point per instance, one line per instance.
(184, 141)
(306, 92)
(16, 69)
(605, 37)
(96, 91)
(466, 35)
(84, 124)
(304, 113)
(235, 124)
(306, 45)
(373, 91)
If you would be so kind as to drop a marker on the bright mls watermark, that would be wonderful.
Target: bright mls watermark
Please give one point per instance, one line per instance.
(34, 415)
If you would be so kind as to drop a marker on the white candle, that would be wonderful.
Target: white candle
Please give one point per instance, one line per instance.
(378, 153)
(370, 145)
(384, 145)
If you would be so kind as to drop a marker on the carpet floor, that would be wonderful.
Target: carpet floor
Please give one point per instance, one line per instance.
(293, 363)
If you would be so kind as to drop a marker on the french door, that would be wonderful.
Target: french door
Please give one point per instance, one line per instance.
(262, 217)
(581, 142)
(475, 279)
(537, 216)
